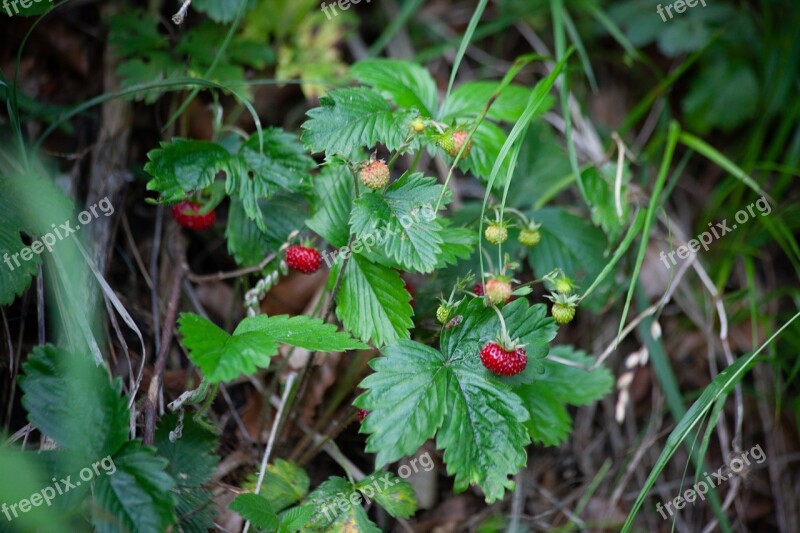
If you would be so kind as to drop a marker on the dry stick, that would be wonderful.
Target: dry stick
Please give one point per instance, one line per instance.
(207, 278)
(154, 254)
(161, 359)
(334, 429)
(271, 442)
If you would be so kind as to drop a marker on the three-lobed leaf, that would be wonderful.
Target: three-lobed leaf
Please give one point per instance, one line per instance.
(372, 302)
(353, 118)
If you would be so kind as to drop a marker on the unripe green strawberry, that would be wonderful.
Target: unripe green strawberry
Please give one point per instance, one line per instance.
(496, 233)
(563, 313)
(563, 309)
(375, 175)
(529, 237)
(564, 285)
(498, 290)
(451, 142)
(443, 313)
(418, 125)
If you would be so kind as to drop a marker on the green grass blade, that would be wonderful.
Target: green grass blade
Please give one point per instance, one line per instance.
(672, 141)
(720, 387)
(462, 49)
(715, 156)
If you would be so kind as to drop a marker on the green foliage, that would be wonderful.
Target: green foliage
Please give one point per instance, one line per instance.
(253, 508)
(372, 301)
(410, 238)
(252, 174)
(51, 399)
(137, 496)
(192, 462)
(148, 55)
(559, 385)
(336, 502)
(405, 84)
(414, 386)
(348, 119)
(223, 357)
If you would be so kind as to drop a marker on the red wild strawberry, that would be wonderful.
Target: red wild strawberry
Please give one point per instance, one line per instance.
(501, 361)
(375, 175)
(303, 259)
(478, 289)
(362, 414)
(188, 215)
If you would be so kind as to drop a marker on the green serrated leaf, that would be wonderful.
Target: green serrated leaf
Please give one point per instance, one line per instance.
(570, 243)
(255, 509)
(302, 331)
(285, 484)
(529, 324)
(355, 520)
(559, 385)
(334, 191)
(402, 222)
(223, 357)
(409, 389)
(185, 165)
(349, 119)
(282, 166)
(294, 519)
(414, 386)
(136, 497)
(550, 423)
(282, 214)
(600, 194)
(573, 385)
(192, 458)
(395, 495)
(58, 384)
(406, 84)
(457, 243)
(373, 303)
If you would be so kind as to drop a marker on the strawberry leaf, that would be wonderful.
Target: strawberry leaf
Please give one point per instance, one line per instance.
(529, 324)
(406, 84)
(372, 302)
(223, 357)
(401, 222)
(302, 331)
(136, 497)
(550, 423)
(559, 385)
(282, 165)
(395, 495)
(333, 199)
(284, 484)
(255, 509)
(348, 119)
(58, 384)
(182, 165)
(192, 461)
